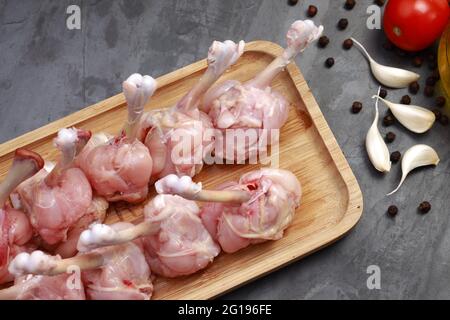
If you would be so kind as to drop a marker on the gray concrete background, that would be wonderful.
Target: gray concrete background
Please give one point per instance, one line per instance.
(47, 72)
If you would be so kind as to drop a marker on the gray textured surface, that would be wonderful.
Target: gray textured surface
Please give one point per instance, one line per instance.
(47, 72)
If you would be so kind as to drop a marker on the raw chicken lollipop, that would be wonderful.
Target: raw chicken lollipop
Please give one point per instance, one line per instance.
(113, 273)
(177, 137)
(15, 228)
(257, 208)
(55, 201)
(96, 212)
(40, 287)
(175, 241)
(125, 275)
(119, 168)
(254, 105)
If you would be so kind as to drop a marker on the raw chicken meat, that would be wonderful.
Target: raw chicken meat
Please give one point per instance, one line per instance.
(119, 168)
(177, 137)
(96, 213)
(15, 228)
(182, 246)
(257, 208)
(40, 287)
(124, 276)
(56, 200)
(175, 241)
(114, 273)
(254, 105)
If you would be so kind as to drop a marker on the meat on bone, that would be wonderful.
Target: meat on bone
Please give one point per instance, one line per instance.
(175, 241)
(58, 199)
(15, 227)
(96, 213)
(254, 105)
(177, 137)
(119, 168)
(38, 287)
(257, 208)
(113, 273)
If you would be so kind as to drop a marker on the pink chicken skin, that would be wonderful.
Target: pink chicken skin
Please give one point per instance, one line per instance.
(176, 136)
(56, 200)
(125, 274)
(15, 227)
(182, 246)
(175, 242)
(119, 168)
(42, 288)
(257, 208)
(96, 213)
(118, 272)
(254, 105)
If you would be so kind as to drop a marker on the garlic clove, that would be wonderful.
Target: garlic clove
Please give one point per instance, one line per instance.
(415, 118)
(376, 147)
(417, 156)
(393, 77)
(388, 76)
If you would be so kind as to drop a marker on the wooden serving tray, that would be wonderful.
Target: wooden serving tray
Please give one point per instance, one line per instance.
(331, 203)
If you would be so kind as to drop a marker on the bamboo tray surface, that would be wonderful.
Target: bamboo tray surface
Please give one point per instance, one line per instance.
(331, 202)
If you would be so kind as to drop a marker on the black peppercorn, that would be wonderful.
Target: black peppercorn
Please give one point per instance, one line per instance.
(431, 81)
(437, 114)
(379, 2)
(342, 24)
(417, 62)
(425, 207)
(329, 62)
(414, 87)
(383, 93)
(349, 4)
(405, 100)
(388, 120)
(440, 101)
(356, 107)
(400, 52)
(348, 43)
(432, 65)
(390, 137)
(431, 57)
(429, 91)
(292, 2)
(443, 120)
(395, 156)
(323, 41)
(312, 11)
(392, 211)
(388, 46)
(435, 74)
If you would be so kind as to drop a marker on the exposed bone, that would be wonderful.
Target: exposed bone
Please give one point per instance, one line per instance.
(137, 90)
(39, 262)
(299, 36)
(186, 188)
(70, 142)
(221, 56)
(102, 235)
(25, 164)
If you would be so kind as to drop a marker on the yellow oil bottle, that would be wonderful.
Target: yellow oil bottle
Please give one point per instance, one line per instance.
(444, 65)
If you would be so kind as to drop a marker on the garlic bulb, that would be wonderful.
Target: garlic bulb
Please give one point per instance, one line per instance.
(415, 118)
(417, 156)
(389, 76)
(376, 147)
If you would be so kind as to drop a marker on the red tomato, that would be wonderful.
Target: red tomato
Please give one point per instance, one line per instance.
(415, 24)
